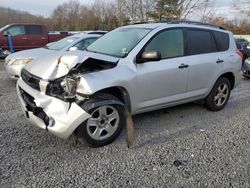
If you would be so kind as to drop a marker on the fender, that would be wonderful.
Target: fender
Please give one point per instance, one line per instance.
(94, 103)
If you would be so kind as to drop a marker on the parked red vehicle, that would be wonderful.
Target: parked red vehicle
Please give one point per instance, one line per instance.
(27, 36)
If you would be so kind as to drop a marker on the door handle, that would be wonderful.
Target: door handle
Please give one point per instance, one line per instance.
(43, 38)
(183, 66)
(219, 61)
(24, 38)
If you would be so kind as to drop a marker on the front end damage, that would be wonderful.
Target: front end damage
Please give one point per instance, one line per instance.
(54, 104)
(58, 117)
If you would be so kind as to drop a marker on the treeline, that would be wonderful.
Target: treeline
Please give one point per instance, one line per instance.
(8, 16)
(74, 16)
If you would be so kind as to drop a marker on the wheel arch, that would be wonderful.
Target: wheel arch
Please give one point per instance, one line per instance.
(119, 92)
(230, 76)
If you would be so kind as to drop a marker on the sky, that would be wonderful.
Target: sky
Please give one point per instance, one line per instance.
(45, 7)
(37, 7)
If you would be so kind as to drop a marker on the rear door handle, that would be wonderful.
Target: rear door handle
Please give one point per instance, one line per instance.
(183, 66)
(219, 61)
(24, 38)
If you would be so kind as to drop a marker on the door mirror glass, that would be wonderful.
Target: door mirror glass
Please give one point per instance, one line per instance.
(150, 56)
(5, 33)
(74, 48)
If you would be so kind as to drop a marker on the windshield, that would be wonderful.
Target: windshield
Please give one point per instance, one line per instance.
(119, 42)
(61, 43)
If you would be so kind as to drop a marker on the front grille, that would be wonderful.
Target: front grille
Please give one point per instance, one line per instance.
(31, 106)
(31, 80)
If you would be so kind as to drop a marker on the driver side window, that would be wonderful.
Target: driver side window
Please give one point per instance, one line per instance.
(169, 43)
(16, 30)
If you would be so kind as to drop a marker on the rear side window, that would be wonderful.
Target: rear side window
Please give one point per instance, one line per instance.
(200, 42)
(85, 43)
(169, 43)
(222, 40)
(34, 30)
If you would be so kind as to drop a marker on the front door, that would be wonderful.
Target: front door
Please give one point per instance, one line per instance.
(19, 37)
(164, 81)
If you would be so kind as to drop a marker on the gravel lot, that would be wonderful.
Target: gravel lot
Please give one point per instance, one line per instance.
(184, 146)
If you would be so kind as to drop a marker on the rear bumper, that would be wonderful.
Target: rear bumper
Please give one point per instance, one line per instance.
(49, 113)
(246, 69)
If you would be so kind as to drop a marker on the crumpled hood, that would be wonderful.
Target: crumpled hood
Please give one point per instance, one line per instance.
(58, 65)
(31, 54)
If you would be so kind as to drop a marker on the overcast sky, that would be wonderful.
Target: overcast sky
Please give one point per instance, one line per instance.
(45, 7)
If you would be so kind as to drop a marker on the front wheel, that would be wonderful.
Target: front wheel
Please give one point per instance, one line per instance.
(219, 95)
(104, 125)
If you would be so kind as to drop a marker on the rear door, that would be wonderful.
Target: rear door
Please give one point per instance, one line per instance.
(35, 36)
(164, 81)
(204, 60)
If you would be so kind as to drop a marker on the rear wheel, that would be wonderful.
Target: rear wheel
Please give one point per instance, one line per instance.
(219, 95)
(104, 125)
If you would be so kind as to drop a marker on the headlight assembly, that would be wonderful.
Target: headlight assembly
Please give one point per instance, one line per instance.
(20, 61)
(64, 88)
(9, 61)
(69, 85)
(248, 47)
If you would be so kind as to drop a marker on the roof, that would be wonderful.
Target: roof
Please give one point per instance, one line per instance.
(178, 24)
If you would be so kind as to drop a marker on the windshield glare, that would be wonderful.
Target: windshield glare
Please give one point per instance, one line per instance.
(62, 43)
(119, 42)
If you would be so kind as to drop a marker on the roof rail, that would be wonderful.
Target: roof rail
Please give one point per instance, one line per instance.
(195, 23)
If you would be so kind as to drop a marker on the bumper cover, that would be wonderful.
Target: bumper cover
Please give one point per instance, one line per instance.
(58, 117)
(246, 69)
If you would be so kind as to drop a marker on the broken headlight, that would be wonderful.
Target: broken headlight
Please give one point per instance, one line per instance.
(64, 88)
(69, 86)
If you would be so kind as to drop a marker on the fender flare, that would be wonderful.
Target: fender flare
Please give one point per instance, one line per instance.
(97, 102)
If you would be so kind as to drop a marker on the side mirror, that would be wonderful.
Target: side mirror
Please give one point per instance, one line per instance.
(150, 56)
(74, 48)
(5, 33)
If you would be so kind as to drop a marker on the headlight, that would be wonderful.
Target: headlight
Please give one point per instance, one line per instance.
(247, 61)
(9, 61)
(64, 88)
(69, 85)
(248, 47)
(20, 61)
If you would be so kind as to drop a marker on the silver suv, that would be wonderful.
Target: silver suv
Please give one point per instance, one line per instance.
(136, 68)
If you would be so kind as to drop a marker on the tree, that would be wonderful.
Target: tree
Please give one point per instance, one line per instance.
(67, 16)
(177, 9)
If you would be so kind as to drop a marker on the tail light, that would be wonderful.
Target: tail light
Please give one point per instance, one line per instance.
(238, 52)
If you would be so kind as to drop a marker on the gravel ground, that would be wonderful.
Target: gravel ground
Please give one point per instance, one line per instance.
(184, 146)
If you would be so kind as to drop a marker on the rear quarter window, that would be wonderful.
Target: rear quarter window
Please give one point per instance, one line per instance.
(34, 30)
(199, 42)
(222, 40)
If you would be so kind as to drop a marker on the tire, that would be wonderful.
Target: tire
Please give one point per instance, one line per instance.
(100, 129)
(219, 95)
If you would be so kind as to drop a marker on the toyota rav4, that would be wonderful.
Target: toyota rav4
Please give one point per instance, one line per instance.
(136, 69)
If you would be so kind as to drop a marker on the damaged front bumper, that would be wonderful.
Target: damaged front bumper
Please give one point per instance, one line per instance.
(49, 113)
